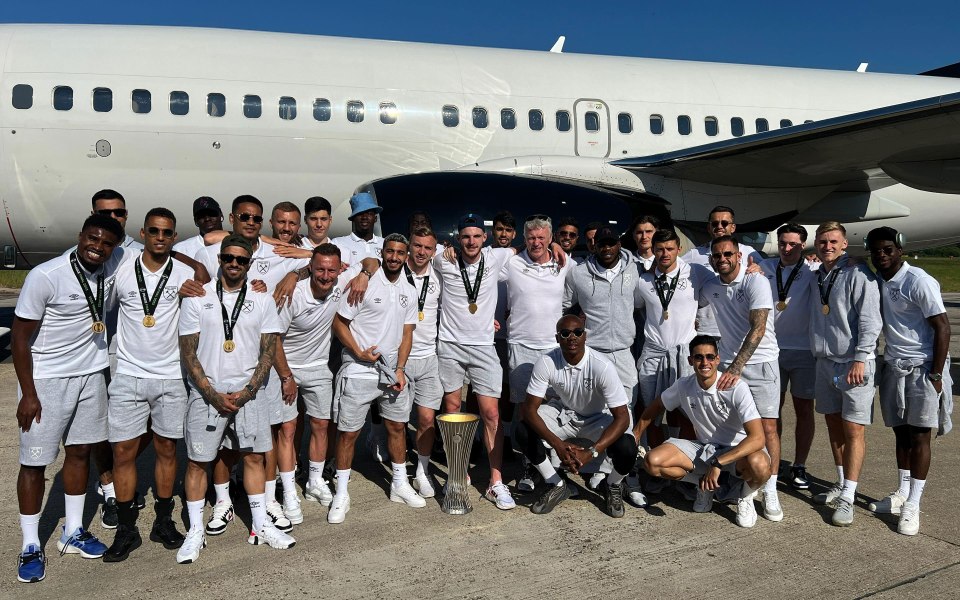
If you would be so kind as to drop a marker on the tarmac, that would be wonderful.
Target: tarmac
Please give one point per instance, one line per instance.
(387, 550)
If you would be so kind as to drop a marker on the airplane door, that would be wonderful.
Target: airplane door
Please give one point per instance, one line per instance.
(592, 127)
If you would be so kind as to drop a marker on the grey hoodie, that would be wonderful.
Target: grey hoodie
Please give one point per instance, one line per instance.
(851, 329)
(608, 306)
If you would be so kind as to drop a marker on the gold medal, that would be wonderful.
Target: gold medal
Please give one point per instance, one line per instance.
(420, 315)
(666, 315)
(473, 308)
(781, 306)
(99, 327)
(149, 321)
(825, 309)
(229, 346)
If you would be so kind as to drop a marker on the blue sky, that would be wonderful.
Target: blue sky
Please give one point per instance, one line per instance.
(897, 37)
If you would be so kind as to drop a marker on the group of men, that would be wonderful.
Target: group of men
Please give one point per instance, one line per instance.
(224, 340)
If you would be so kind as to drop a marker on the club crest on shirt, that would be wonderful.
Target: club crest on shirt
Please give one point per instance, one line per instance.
(894, 294)
(170, 292)
(588, 383)
(682, 284)
(337, 293)
(721, 405)
(627, 278)
(247, 306)
(263, 266)
(379, 251)
(404, 300)
(741, 295)
(432, 288)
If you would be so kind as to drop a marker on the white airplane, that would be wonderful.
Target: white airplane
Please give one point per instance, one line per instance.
(167, 114)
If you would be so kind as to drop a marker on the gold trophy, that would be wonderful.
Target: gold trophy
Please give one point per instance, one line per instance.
(457, 431)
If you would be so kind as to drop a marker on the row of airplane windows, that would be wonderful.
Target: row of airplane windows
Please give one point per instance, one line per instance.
(179, 104)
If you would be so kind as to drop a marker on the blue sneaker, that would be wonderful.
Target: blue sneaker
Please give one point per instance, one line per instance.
(81, 542)
(32, 565)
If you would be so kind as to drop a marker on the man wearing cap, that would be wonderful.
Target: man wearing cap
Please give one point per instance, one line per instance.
(915, 385)
(228, 339)
(208, 217)
(362, 241)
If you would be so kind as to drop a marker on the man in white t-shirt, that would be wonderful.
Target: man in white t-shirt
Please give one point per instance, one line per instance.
(285, 221)
(915, 387)
(207, 216)
(729, 436)
(228, 339)
(362, 241)
(642, 230)
(59, 351)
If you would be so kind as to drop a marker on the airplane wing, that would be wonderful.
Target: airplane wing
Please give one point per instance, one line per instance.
(916, 143)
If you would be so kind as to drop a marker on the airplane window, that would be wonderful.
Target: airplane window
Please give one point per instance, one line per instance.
(563, 120)
(451, 115)
(355, 111)
(785, 123)
(141, 101)
(216, 105)
(591, 121)
(736, 126)
(656, 124)
(252, 107)
(63, 97)
(321, 109)
(179, 103)
(389, 113)
(625, 122)
(683, 125)
(22, 96)
(102, 99)
(762, 126)
(479, 117)
(508, 118)
(288, 108)
(535, 119)
(711, 126)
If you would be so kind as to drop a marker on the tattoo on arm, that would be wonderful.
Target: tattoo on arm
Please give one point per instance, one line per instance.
(188, 354)
(758, 325)
(268, 351)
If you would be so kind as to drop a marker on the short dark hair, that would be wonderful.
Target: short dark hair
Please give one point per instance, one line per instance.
(315, 203)
(700, 340)
(245, 199)
(884, 234)
(285, 207)
(422, 213)
(162, 212)
(793, 228)
(106, 223)
(665, 235)
(565, 221)
(327, 249)
(505, 217)
(721, 209)
(107, 194)
(593, 226)
(397, 237)
(644, 219)
(423, 232)
(725, 238)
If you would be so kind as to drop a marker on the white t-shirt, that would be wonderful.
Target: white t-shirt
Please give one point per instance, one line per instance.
(587, 388)
(149, 352)
(425, 335)
(732, 304)
(64, 344)
(679, 329)
(717, 417)
(701, 256)
(643, 264)
(457, 325)
(379, 320)
(228, 371)
(353, 248)
(908, 300)
(132, 244)
(792, 324)
(611, 273)
(191, 246)
(307, 322)
(535, 297)
(265, 265)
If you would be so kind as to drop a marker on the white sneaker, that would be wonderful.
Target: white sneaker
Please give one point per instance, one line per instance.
(635, 497)
(401, 492)
(194, 541)
(271, 536)
(424, 486)
(499, 494)
(595, 480)
(829, 496)
(771, 507)
(339, 509)
(746, 512)
(703, 502)
(890, 505)
(220, 517)
(291, 508)
(275, 514)
(909, 519)
(318, 493)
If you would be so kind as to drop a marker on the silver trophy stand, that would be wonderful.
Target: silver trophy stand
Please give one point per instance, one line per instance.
(457, 431)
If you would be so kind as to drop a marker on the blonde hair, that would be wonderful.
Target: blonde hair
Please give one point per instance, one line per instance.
(831, 226)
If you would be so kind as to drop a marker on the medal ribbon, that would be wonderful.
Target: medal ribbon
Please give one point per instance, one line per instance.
(664, 290)
(422, 300)
(783, 290)
(150, 304)
(94, 304)
(825, 297)
(474, 291)
(231, 321)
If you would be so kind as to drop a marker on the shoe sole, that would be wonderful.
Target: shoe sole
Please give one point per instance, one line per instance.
(558, 503)
(429, 494)
(216, 532)
(341, 519)
(191, 560)
(400, 500)
(894, 511)
(800, 486)
(775, 517)
(255, 541)
(294, 519)
(841, 523)
(32, 579)
(168, 545)
(122, 557)
(106, 525)
(64, 549)
(320, 501)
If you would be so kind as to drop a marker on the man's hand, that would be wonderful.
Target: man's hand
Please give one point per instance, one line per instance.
(401, 381)
(568, 456)
(752, 267)
(259, 286)
(496, 325)
(28, 411)
(937, 385)
(450, 254)
(369, 355)
(191, 288)
(288, 388)
(290, 251)
(558, 254)
(728, 379)
(711, 480)
(357, 288)
(226, 403)
(283, 293)
(855, 376)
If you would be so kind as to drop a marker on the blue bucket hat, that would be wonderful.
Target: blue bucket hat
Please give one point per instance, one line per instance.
(362, 202)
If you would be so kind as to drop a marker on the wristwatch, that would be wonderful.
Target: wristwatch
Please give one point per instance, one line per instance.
(593, 451)
(367, 273)
(935, 377)
(715, 462)
(284, 379)
(251, 389)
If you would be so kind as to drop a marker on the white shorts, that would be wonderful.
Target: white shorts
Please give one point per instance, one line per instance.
(798, 370)
(835, 395)
(423, 382)
(315, 385)
(522, 359)
(72, 410)
(134, 401)
(700, 454)
(478, 364)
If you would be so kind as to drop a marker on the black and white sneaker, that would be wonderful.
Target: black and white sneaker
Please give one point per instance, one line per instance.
(108, 514)
(528, 479)
(550, 498)
(798, 478)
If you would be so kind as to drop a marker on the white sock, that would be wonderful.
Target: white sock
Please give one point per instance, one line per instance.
(840, 474)
(745, 489)
(614, 478)
(108, 491)
(343, 478)
(849, 490)
(770, 487)
(423, 465)
(223, 492)
(270, 489)
(195, 514)
(316, 472)
(73, 509)
(289, 487)
(904, 489)
(916, 490)
(548, 473)
(258, 510)
(30, 528)
(399, 473)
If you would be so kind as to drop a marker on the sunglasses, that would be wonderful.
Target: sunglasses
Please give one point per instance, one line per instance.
(704, 357)
(155, 231)
(537, 217)
(229, 258)
(566, 333)
(247, 217)
(566, 234)
(720, 223)
(886, 250)
(719, 255)
(116, 212)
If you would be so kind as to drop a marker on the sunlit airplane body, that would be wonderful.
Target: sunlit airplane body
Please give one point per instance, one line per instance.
(168, 114)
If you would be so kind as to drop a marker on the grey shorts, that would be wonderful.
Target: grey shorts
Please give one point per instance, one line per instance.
(72, 410)
(522, 359)
(354, 397)
(922, 402)
(656, 373)
(134, 401)
(423, 382)
(206, 430)
(763, 379)
(565, 424)
(280, 411)
(478, 364)
(798, 370)
(626, 370)
(835, 395)
(700, 455)
(316, 390)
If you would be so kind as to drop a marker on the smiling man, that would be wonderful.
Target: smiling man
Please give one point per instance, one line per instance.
(285, 220)
(362, 241)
